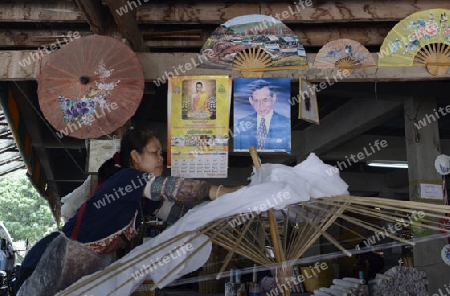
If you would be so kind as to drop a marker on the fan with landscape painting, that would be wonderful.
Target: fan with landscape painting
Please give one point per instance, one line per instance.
(253, 44)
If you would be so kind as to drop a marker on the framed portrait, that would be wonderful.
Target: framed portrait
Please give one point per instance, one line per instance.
(308, 108)
(262, 114)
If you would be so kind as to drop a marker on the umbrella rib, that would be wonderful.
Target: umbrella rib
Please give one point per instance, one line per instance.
(231, 252)
(348, 229)
(373, 228)
(178, 265)
(136, 259)
(121, 267)
(286, 226)
(223, 235)
(229, 243)
(316, 230)
(389, 216)
(387, 203)
(301, 236)
(321, 230)
(293, 233)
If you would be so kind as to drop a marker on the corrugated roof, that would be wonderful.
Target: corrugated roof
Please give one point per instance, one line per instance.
(10, 158)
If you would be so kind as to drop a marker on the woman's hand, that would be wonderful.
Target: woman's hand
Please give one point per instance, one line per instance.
(219, 190)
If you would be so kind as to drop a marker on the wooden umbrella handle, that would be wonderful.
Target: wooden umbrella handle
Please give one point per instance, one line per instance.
(255, 157)
(277, 250)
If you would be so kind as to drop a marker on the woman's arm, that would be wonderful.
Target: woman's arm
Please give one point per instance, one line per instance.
(184, 189)
(176, 189)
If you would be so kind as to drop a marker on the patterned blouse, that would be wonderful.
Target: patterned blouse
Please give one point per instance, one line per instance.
(114, 212)
(177, 189)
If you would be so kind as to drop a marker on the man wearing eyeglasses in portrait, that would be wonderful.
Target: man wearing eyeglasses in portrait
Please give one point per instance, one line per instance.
(265, 129)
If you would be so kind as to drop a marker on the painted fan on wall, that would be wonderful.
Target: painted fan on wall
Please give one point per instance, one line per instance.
(253, 44)
(421, 38)
(343, 54)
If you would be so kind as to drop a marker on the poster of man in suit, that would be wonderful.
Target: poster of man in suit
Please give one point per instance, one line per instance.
(262, 116)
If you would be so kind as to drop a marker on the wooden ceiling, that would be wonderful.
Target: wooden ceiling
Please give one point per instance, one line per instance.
(185, 26)
(169, 33)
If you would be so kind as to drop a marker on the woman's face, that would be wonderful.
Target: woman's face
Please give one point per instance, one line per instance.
(150, 160)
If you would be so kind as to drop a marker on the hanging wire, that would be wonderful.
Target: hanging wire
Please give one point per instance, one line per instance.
(375, 85)
(49, 128)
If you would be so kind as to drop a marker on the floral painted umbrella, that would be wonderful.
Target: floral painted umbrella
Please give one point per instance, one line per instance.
(421, 38)
(91, 87)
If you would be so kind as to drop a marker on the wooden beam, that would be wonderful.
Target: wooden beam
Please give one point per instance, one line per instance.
(205, 12)
(368, 36)
(354, 11)
(287, 11)
(395, 150)
(347, 122)
(158, 65)
(127, 24)
(34, 38)
(319, 36)
(52, 11)
(96, 15)
(392, 91)
(33, 124)
(219, 12)
(55, 145)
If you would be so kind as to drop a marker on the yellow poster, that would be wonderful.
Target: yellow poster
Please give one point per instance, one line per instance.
(198, 120)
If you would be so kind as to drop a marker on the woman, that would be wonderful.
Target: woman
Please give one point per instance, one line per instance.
(130, 186)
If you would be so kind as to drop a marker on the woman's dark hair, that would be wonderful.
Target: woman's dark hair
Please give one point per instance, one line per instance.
(133, 139)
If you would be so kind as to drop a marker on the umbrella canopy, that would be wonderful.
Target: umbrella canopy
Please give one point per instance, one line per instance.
(423, 37)
(91, 87)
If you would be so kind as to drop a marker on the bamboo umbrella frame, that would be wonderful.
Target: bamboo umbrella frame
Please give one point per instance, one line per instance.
(288, 232)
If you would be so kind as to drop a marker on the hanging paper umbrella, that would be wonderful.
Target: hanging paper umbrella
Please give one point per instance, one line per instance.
(253, 43)
(421, 38)
(274, 220)
(90, 87)
(343, 54)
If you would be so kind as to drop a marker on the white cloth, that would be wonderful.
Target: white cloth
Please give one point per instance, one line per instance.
(272, 186)
(72, 201)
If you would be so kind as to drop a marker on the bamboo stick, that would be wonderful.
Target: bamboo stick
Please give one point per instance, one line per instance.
(278, 252)
(231, 252)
